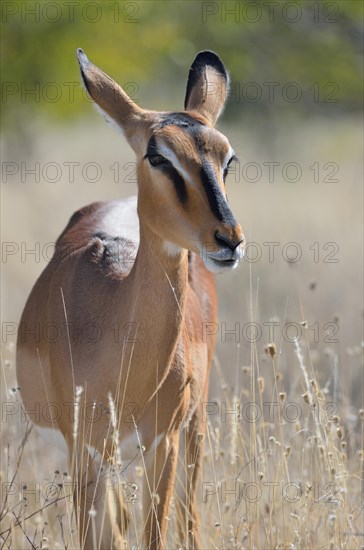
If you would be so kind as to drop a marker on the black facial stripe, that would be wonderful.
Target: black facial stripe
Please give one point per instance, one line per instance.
(169, 171)
(178, 182)
(152, 147)
(217, 201)
(215, 196)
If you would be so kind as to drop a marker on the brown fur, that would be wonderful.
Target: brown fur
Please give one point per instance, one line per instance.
(156, 302)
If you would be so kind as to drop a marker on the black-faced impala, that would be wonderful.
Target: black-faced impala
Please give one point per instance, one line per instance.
(181, 229)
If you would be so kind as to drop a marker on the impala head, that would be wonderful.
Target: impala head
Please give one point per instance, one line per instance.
(182, 161)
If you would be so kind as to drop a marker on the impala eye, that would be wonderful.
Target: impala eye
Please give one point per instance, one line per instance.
(234, 158)
(157, 160)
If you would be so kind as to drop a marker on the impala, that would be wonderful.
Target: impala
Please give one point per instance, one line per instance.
(144, 264)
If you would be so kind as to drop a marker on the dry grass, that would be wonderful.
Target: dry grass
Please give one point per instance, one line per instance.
(270, 481)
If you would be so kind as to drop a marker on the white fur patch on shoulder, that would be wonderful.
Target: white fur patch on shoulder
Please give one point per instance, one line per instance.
(122, 219)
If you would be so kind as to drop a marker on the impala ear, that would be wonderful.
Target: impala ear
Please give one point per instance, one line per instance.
(207, 86)
(109, 96)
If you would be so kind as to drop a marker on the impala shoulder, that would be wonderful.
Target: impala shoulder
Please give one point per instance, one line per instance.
(104, 233)
(114, 255)
(81, 214)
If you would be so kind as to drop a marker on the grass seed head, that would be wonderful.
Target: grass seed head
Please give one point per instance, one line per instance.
(306, 398)
(271, 349)
(155, 499)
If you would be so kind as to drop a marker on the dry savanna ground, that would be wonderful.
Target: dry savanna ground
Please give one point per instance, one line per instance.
(283, 464)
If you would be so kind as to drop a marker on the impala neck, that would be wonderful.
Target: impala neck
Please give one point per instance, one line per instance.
(156, 263)
(158, 297)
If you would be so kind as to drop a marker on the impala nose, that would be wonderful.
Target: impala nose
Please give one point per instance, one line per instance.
(224, 241)
(230, 242)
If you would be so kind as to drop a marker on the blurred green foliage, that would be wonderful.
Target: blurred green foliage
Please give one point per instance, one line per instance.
(148, 46)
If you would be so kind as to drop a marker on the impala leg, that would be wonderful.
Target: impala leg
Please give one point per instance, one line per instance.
(188, 516)
(97, 504)
(157, 490)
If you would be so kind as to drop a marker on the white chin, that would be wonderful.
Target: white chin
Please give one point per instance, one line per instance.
(219, 266)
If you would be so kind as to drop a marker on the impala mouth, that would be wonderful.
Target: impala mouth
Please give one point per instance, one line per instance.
(223, 260)
(230, 262)
(226, 264)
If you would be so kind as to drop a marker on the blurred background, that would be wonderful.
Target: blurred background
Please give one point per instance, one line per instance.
(294, 118)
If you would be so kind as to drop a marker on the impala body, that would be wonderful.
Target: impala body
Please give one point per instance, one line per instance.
(130, 289)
